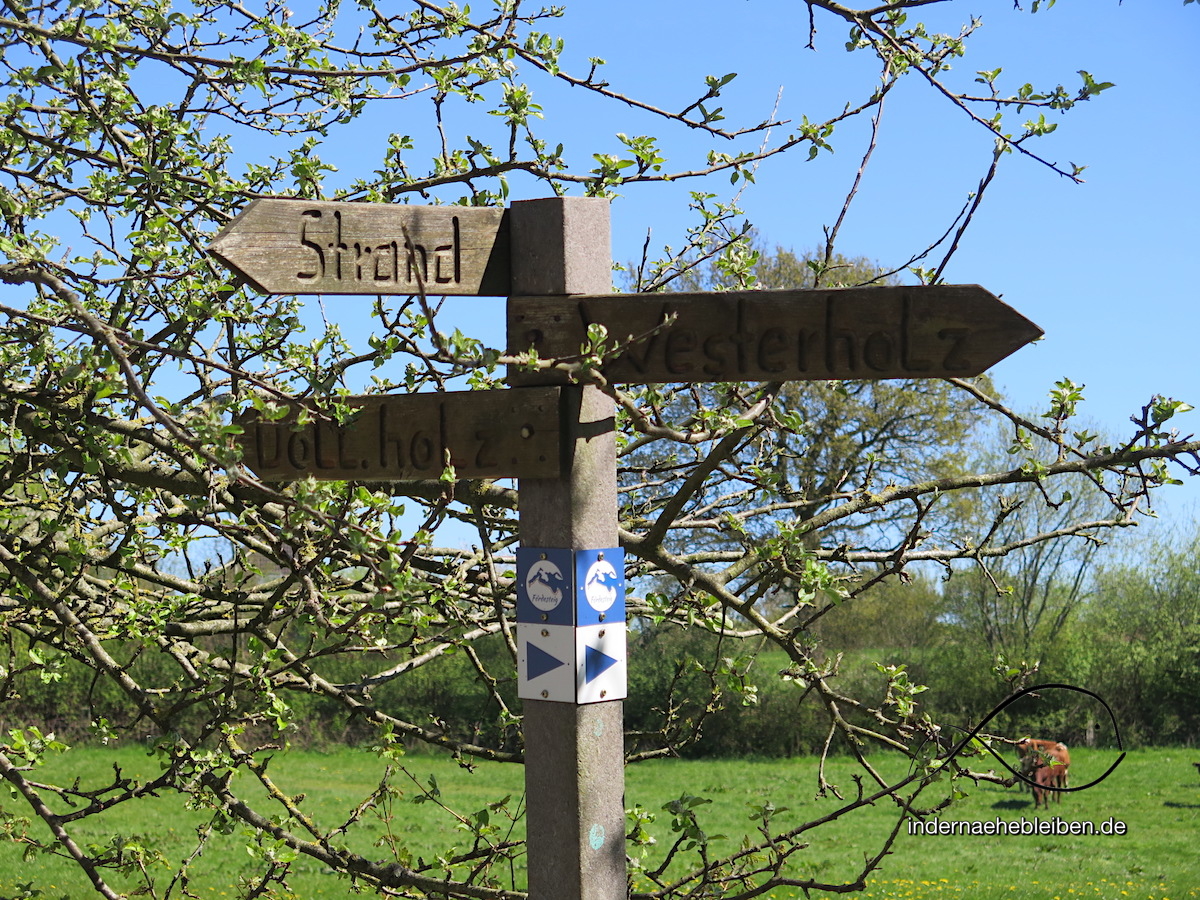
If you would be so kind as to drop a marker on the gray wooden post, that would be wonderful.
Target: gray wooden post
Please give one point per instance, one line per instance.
(574, 754)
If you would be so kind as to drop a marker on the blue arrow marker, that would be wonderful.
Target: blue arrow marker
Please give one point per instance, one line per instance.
(540, 662)
(596, 664)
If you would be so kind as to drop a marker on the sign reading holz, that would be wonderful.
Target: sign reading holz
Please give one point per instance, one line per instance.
(311, 247)
(483, 434)
(851, 333)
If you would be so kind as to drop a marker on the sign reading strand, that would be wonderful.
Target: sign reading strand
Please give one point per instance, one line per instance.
(312, 247)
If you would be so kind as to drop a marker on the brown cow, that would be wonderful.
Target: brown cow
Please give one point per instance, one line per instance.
(1037, 753)
(1045, 777)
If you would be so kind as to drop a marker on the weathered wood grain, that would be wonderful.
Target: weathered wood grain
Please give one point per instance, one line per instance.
(483, 434)
(849, 333)
(311, 247)
(574, 754)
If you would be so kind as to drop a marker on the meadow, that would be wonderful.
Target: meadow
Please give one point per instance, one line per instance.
(1154, 795)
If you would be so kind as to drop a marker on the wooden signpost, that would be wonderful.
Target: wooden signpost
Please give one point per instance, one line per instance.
(574, 752)
(552, 258)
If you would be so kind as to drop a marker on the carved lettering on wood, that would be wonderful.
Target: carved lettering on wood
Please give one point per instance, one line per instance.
(303, 247)
(853, 333)
(482, 434)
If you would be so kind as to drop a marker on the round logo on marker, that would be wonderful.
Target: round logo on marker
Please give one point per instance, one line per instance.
(601, 584)
(545, 585)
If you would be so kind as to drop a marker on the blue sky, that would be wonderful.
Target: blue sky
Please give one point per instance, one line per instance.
(1106, 267)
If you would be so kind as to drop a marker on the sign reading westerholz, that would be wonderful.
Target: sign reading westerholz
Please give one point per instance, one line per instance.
(939, 331)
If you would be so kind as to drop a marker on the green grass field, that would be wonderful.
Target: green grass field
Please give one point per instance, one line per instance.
(1155, 794)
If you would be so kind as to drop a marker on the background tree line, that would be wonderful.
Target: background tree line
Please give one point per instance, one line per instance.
(1119, 619)
(1133, 637)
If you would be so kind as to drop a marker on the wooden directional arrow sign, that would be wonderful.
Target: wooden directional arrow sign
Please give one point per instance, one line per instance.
(849, 333)
(310, 247)
(483, 434)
